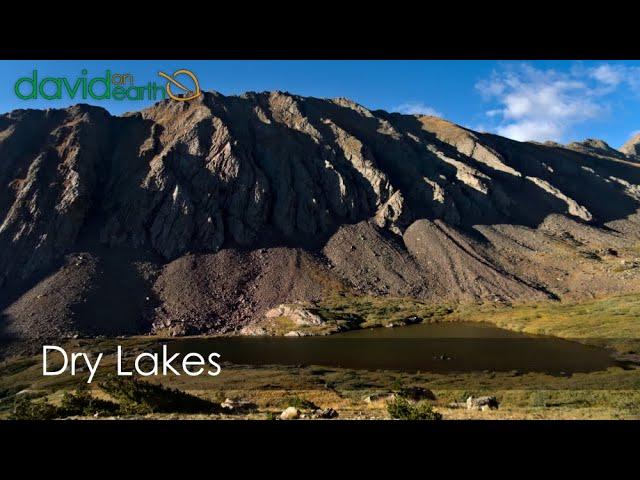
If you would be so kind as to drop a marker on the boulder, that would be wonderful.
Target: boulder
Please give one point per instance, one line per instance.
(237, 405)
(417, 393)
(404, 322)
(253, 331)
(482, 403)
(325, 413)
(376, 397)
(290, 413)
(296, 313)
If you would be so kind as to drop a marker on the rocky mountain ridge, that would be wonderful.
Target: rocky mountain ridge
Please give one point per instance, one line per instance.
(200, 216)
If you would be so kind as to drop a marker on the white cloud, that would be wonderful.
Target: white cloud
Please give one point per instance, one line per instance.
(535, 104)
(531, 130)
(416, 108)
(613, 76)
(609, 74)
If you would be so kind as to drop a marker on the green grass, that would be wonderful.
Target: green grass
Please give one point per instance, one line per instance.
(368, 311)
(613, 322)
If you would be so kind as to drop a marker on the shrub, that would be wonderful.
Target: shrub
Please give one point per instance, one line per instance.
(138, 397)
(401, 409)
(464, 395)
(135, 397)
(8, 394)
(396, 385)
(26, 409)
(82, 403)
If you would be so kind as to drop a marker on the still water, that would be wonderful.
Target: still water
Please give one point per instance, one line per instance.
(440, 347)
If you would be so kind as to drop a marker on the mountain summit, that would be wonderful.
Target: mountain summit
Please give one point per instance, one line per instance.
(632, 147)
(201, 216)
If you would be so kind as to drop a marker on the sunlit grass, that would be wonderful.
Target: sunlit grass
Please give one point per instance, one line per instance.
(613, 321)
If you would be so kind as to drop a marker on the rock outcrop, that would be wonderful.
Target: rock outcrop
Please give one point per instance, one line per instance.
(596, 147)
(632, 147)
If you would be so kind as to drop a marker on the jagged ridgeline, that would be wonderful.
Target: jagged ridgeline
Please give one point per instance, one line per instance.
(201, 216)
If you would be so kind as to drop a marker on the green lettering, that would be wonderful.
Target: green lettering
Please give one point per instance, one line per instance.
(106, 81)
(137, 91)
(51, 96)
(34, 90)
(155, 90)
(72, 91)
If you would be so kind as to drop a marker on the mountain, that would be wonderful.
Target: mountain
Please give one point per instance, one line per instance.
(595, 147)
(632, 147)
(199, 217)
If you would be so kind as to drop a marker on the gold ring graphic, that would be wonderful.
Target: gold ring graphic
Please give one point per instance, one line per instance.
(190, 94)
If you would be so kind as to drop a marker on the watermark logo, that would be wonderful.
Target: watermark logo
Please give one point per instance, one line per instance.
(109, 86)
(189, 94)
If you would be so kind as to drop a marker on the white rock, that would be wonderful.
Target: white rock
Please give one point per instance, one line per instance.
(298, 315)
(290, 413)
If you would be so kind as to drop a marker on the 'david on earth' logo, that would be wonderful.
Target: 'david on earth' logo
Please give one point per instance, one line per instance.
(182, 86)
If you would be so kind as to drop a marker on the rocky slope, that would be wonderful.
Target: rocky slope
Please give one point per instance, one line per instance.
(632, 147)
(194, 217)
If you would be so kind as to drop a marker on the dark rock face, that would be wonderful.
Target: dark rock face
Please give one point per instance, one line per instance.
(51, 164)
(384, 203)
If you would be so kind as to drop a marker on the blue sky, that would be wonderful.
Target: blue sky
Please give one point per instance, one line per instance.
(527, 100)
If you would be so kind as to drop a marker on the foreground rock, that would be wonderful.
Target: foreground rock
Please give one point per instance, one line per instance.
(482, 403)
(297, 314)
(325, 413)
(416, 394)
(379, 397)
(234, 405)
(290, 413)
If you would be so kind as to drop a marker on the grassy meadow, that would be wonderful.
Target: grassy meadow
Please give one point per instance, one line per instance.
(610, 394)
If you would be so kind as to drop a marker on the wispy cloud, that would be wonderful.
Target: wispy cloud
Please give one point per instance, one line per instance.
(416, 108)
(534, 104)
(609, 74)
(617, 75)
